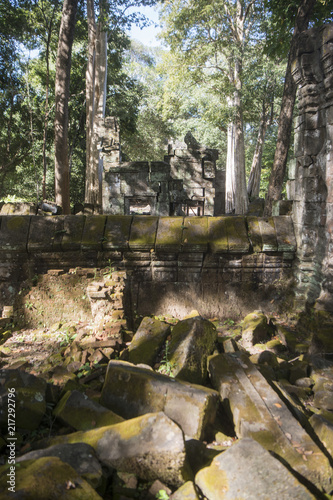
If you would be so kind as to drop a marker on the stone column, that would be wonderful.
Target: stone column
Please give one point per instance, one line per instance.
(311, 186)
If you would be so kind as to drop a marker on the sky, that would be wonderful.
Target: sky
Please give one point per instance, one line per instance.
(147, 36)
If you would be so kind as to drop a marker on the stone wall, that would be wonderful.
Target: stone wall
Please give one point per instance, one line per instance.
(222, 266)
(310, 184)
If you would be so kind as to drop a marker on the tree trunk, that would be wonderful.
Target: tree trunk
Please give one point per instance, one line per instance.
(95, 102)
(286, 114)
(253, 186)
(63, 67)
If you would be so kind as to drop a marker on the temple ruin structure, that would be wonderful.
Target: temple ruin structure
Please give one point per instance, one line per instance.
(185, 183)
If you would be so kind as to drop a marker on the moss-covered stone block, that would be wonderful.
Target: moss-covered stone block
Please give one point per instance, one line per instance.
(169, 234)
(255, 330)
(268, 234)
(258, 412)
(247, 470)
(285, 235)
(46, 477)
(130, 390)
(218, 237)
(30, 398)
(93, 232)
(193, 340)
(195, 234)
(238, 241)
(150, 446)
(186, 492)
(254, 233)
(73, 230)
(117, 232)
(148, 341)
(81, 413)
(143, 232)
(45, 233)
(14, 233)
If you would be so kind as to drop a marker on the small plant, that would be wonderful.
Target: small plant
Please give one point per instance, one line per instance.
(162, 495)
(229, 322)
(167, 366)
(67, 338)
(109, 270)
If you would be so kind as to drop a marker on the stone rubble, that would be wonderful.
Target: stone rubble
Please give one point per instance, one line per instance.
(140, 427)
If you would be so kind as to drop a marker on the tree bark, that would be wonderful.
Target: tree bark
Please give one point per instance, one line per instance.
(286, 113)
(63, 68)
(96, 77)
(253, 186)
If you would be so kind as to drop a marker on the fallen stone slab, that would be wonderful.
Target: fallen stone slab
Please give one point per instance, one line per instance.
(255, 329)
(259, 413)
(324, 430)
(82, 413)
(148, 341)
(46, 477)
(80, 456)
(186, 492)
(247, 470)
(151, 446)
(28, 398)
(130, 390)
(193, 340)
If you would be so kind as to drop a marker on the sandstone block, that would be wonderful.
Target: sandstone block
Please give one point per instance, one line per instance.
(255, 330)
(185, 492)
(130, 391)
(30, 403)
(247, 470)
(47, 477)
(150, 446)
(259, 413)
(148, 340)
(78, 411)
(80, 456)
(193, 340)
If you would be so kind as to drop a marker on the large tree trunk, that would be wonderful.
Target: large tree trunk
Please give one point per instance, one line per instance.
(253, 186)
(95, 99)
(286, 114)
(63, 68)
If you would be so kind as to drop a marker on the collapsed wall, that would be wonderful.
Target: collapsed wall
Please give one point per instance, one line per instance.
(310, 184)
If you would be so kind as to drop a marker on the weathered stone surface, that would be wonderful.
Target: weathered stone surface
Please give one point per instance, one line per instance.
(72, 235)
(193, 340)
(93, 232)
(143, 233)
(80, 456)
(255, 329)
(117, 232)
(78, 411)
(195, 234)
(148, 341)
(258, 412)
(150, 446)
(268, 234)
(14, 233)
(131, 391)
(247, 470)
(218, 237)
(185, 492)
(30, 403)
(169, 234)
(46, 477)
(238, 241)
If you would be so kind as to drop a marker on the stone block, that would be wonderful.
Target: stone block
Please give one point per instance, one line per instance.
(143, 232)
(195, 234)
(238, 241)
(148, 341)
(81, 413)
(130, 391)
(150, 446)
(45, 233)
(259, 413)
(218, 237)
(117, 232)
(254, 233)
(73, 230)
(169, 234)
(186, 492)
(38, 478)
(268, 234)
(285, 234)
(14, 233)
(93, 232)
(247, 470)
(192, 341)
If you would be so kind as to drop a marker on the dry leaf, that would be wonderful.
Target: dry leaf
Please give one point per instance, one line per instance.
(278, 405)
(70, 485)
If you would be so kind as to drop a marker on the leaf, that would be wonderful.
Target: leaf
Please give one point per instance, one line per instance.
(70, 485)
(278, 405)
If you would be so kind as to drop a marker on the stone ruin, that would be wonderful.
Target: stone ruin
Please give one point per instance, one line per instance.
(185, 183)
